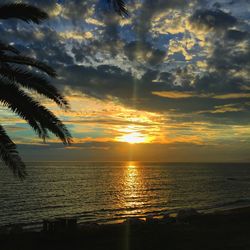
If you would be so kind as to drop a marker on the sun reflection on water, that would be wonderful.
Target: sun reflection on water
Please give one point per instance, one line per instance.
(132, 191)
(132, 178)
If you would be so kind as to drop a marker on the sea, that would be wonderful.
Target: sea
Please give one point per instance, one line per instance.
(109, 192)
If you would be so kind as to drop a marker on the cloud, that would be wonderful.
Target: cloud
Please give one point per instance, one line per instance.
(143, 52)
(213, 19)
(149, 9)
(173, 94)
(186, 61)
(76, 35)
(225, 108)
(14, 128)
(233, 96)
(236, 35)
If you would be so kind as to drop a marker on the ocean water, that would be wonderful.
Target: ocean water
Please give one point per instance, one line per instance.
(109, 192)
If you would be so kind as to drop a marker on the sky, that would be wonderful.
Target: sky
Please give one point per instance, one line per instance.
(170, 82)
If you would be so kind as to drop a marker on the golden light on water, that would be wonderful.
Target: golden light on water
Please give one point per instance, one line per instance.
(132, 178)
(133, 183)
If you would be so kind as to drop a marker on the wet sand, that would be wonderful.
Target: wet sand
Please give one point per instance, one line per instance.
(219, 230)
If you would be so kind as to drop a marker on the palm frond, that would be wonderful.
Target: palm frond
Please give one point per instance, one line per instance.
(119, 6)
(35, 82)
(22, 11)
(13, 78)
(27, 108)
(5, 99)
(10, 156)
(24, 60)
(7, 47)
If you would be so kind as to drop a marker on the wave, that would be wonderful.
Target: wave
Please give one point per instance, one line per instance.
(238, 179)
(236, 202)
(227, 205)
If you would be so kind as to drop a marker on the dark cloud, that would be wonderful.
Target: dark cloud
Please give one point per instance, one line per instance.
(144, 52)
(213, 19)
(236, 35)
(37, 41)
(217, 83)
(150, 9)
(86, 65)
(76, 10)
(109, 81)
(42, 4)
(229, 57)
(105, 81)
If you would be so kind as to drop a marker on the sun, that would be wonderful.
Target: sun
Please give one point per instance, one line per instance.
(134, 137)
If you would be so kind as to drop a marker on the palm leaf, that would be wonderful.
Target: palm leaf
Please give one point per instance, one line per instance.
(30, 110)
(22, 11)
(24, 60)
(7, 47)
(9, 155)
(6, 101)
(12, 79)
(35, 82)
(119, 6)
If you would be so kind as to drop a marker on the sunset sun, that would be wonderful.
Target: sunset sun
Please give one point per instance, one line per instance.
(134, 137)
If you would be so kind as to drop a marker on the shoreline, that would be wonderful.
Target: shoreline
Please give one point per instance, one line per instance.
(37, 226)
(227, 229)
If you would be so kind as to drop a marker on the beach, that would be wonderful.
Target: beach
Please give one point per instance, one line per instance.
(228, 229)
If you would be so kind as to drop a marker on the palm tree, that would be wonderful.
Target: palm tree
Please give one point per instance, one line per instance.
(19, 72)
(119, 6)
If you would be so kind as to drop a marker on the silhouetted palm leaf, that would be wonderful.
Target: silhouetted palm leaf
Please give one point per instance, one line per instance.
(35, 82)
(24, 60)
(6, 47)
(13, 79)
(25, 115)
(119, 6)
(22, 11)
(40, 118)
(9, 155)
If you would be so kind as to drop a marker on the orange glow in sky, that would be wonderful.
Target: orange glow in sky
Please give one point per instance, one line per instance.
(134, 137)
